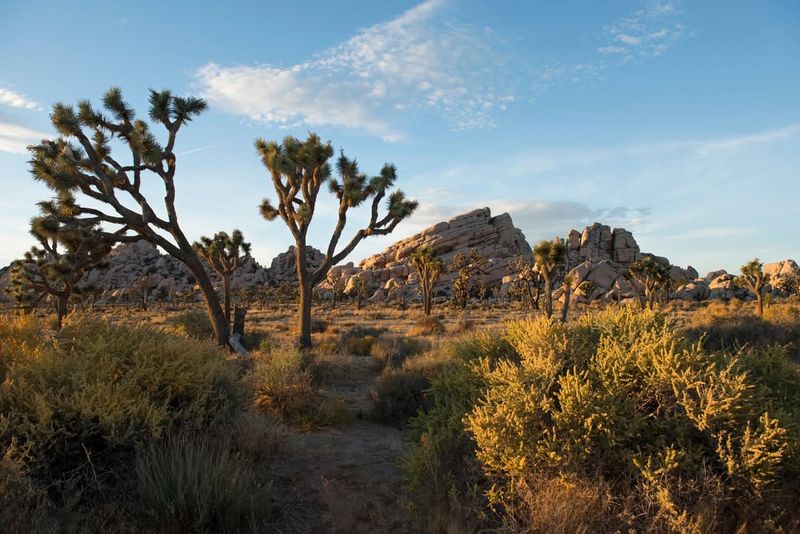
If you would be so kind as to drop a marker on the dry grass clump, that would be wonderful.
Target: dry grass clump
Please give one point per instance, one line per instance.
(282, 383)
(733, 325)
(192, 483)
(192, 323)
(427, 326)
(392, 351)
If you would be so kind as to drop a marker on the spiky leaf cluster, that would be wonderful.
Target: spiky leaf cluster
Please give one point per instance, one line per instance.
(68, 247)
(223, 251)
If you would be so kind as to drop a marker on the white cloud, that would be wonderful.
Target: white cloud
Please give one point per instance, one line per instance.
(11, 98)
(637, 36)
(417, 61)
(15, 138)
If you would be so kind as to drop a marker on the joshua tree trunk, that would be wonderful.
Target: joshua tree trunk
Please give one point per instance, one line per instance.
(306, 289)
(334, 299)
(61, 308)
(548, 296)
(226, 288)
(760, 303)
(651, 297)
(565, 309)
(426, 301)
(215, 313)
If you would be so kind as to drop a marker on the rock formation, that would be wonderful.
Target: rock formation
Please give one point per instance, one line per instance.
(495, 238)
(283, 269)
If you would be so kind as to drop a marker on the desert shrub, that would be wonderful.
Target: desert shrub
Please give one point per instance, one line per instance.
(464, 325)
(194, 323)
(690, 441)
(443, 472)
(332, 412)
(358, 340)
(400, 394)
(391, 352)
(318, 326)
(258, 436)
(190, 483)
(76, 409)
(427, 326)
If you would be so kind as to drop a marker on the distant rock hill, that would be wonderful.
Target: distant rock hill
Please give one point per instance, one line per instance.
(495, 238)
(599, 255)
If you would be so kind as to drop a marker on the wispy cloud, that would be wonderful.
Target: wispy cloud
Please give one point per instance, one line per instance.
(15, 138)
(417, 61)
(650, 31)
(11, 98)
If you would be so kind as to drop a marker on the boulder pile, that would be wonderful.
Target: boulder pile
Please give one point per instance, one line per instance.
(496, 239)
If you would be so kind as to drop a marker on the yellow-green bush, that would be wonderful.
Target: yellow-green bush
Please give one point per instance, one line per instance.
(621, 397)
(75, 409)
(20, 337)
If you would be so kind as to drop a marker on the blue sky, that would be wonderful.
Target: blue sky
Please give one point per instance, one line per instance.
(678, 120)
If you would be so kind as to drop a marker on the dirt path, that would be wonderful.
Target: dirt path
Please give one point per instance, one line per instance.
(344, 480)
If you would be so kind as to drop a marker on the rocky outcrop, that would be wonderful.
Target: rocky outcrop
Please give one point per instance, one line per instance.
(283, 269)
(494, 238)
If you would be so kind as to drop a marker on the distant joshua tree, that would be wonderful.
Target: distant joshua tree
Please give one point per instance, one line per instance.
(529, 278)
(223, 253)
(429, 269)
(69, 248)
(466, 265)
(361, 291)
(652, 275)
(81, 162)
(336, 282)
(298, 169)
(549, 256)
(754, 278)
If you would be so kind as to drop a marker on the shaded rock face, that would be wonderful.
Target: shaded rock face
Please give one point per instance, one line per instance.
(283, 269)
(599, 242)
(495, 239)
(142, 262)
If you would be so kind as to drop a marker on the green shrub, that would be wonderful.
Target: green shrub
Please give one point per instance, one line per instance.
(20, 337)
(443, 471)
(690, 441)
(194, 323)
(400, 394)
(191, 483)
(77, 408)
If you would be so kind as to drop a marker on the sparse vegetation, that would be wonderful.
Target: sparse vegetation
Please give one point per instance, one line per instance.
(429, 268)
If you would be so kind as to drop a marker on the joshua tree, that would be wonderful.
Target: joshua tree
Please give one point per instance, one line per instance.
(361, 291)
(568, 282)
(429, 269)
(223, 254)
(755, 280)
(298, 169)
(466, 265)
(69, 247)
(336, 282)
(81, 162)
(549, 256)
(652, 275)
(529, 278)
(142, 288)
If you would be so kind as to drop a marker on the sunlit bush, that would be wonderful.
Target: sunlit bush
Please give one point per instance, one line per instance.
(622, 398)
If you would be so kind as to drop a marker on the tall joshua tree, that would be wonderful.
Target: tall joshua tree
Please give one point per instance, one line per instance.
(80, 162)
(429, 269)
(223, 253)
(652, 275)
(69, 247)
(298, 170)
(549, 256)
(754, 278)
(568, 283)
